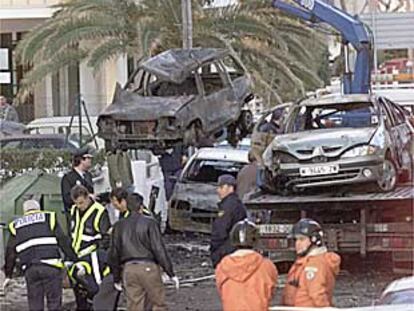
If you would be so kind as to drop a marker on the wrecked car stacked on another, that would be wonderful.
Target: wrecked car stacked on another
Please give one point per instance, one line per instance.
(179, 97)
(337, 141)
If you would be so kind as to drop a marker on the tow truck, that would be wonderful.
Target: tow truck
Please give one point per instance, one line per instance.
(354, 222)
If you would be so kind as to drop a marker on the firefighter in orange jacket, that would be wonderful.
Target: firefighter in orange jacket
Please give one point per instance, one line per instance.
(245, 279)
(311, 279)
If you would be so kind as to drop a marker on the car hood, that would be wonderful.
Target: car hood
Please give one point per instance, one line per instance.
(200, 195)
(334, 141)
(130, 106)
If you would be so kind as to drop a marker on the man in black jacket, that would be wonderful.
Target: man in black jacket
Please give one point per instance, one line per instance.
(137, 249)
(78, 175)
(231, 210)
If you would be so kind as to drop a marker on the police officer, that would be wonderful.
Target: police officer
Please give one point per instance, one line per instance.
(78, 175)
(311, 279)
(231, 210)
(119, 200)
(89, 224)
(35, 239)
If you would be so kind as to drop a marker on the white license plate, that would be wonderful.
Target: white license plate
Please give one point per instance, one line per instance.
(274, 229)
(318, 170)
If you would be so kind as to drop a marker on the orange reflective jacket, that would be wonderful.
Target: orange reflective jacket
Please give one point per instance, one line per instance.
(245, 281)
(311, 280)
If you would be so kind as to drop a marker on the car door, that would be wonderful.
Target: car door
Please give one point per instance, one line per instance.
(397, 142)
(219, 103)
(405, 133)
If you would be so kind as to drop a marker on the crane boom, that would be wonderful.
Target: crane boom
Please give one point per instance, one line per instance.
(353, 32)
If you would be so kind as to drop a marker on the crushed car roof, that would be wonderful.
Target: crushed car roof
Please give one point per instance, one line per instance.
(176, 64)
(336, 99)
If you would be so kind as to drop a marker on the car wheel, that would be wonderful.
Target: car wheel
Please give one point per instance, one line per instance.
(388, 179)
(245, 122)
(232, 135)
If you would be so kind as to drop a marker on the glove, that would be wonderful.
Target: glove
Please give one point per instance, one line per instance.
(165, 278)
(118, 286)
(80, 270)
(176, 282)
(68, 264)
(5, 283)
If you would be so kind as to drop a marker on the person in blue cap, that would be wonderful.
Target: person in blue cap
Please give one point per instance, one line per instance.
(230, 211)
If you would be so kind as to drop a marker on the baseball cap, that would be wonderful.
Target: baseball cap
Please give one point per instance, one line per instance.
(30, 205)
(83, 152)
(226, 179)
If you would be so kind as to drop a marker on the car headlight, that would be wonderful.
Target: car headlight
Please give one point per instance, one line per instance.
(360, 151)
(283, 157)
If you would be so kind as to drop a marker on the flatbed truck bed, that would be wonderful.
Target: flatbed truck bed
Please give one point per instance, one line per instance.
(353, 222)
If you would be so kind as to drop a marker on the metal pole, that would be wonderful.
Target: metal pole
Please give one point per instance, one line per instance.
(373, 9)
(187, 22)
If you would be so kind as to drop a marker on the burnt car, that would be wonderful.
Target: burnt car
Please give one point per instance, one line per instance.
(179, 97)
(193, 205)
(340, 140)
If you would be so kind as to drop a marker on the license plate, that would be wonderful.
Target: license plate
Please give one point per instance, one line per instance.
(319, 170)
(274, 229)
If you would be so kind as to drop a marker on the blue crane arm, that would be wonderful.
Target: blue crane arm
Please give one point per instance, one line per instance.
(353, 32)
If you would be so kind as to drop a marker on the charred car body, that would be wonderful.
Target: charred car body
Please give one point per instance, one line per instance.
(193, 205)
(179, 97)
(340, 140)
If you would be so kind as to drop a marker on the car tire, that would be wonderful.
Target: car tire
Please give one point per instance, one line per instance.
(233, 135)
(389, 176)
(245, 122)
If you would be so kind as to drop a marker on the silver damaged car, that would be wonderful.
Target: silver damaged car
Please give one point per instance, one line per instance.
(340, 140)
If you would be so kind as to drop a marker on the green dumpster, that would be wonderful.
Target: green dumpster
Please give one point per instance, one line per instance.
(38, 185)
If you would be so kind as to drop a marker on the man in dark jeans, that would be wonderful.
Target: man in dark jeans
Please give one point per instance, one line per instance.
(231, 210)
(35, 238)
(137, 249)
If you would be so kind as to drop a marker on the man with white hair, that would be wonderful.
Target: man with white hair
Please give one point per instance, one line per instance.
(35, 238)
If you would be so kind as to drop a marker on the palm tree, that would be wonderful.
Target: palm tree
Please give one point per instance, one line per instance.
(279, 51)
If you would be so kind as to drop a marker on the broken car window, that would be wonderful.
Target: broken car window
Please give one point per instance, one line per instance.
(208, 171)
(356, 115)
(212, 78)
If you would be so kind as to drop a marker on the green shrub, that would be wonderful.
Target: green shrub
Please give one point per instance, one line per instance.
(17, 161)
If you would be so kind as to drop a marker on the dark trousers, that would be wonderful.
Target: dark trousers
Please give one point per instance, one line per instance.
(143, 286)
(44, 281)
(81, 297)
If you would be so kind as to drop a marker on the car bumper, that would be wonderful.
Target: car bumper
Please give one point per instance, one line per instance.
(364, 169)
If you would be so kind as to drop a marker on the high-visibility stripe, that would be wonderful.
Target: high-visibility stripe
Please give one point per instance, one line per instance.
(106, 271)
(36, 242)
(52, 220)
(53, 262)
(76, 229)
(87, 250)
(89, 238)
(12, 229)
(77, 239)
(97, 219)
(95, 268)
(85, 264)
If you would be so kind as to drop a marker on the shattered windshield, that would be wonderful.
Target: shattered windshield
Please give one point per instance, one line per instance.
(355, 115)
(208, 171)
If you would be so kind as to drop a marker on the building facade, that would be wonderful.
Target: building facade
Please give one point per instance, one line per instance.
(57, 94)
